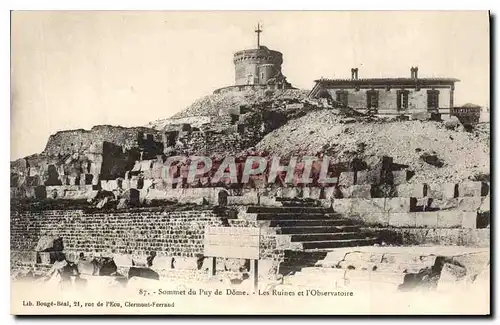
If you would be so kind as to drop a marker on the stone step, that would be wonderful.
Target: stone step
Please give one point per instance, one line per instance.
(384, 267)
(298, 255)
(294, 209)
(328, 274)
(297, 202)
(295, 260)
(304, 216)
(339, 243)
(291, 216)
(377, 257)
(310, 222)
(330, 236)
(316, 229)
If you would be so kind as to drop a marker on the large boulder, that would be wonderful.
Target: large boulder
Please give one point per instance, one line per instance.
(452, 123)
(49, 244)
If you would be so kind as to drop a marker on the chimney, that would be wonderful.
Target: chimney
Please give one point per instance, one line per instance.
(414, 72)
(354, 73)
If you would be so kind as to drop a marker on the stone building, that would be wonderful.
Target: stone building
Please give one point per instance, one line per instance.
(259, 66)
(389, 95)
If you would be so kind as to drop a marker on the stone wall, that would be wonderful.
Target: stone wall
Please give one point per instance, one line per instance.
(229, 141)
(82, 140)
(173, 233)
(127, 235)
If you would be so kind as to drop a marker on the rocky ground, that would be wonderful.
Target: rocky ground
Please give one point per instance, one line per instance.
(218, 104)
(458, 155)
(463, 154)
(458, 290)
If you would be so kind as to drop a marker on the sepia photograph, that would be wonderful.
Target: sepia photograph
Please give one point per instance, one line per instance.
(250, 163)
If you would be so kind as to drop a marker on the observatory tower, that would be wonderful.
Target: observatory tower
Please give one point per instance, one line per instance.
(259, 66)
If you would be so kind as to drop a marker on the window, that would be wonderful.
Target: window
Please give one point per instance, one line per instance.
(250, 79)
(342, 97)
(372, 99)
(433, 99)
(402, 99)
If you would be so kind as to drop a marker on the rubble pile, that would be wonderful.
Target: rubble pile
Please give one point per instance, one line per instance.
(456, 155)
(219, 104)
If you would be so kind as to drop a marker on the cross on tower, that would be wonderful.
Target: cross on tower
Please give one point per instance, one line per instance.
(258, 31)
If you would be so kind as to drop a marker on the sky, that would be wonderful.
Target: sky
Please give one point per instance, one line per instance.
(72, 70)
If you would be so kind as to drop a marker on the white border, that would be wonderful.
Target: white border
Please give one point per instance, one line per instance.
(6, 6)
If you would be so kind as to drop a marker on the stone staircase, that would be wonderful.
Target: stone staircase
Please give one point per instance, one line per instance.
(312, 231)
(311, 227)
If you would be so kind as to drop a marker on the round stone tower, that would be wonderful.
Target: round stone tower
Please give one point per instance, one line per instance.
(260, 66)
(256, 66)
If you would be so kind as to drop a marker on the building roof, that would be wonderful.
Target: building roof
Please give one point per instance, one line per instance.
(386, 81)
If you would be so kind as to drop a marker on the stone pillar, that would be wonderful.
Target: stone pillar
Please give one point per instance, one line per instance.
(452, 94)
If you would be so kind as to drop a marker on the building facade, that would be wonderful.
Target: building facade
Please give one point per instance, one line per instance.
(389, 95)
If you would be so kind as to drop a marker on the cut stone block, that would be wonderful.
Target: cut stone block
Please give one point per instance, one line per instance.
(469, 220)
(71, 180)
(450, 236)
(427, 219)
(134, 183)
(449, 219)
(95, 179)
(397, 204)
(306, 192)
(315, 193)
(412, 190)
(399, 220)
(44, 257)
(346, 179)
(82, 180)
(444, 204)
(360, 191)
(343, 206)
(162, 262)
(443, 191)
(367, 205)
(243, 200)
(147, 184)
(469, 203)
(122, 259)
(485, 205)
(374, 218)
(345, 192)
(28, 257)
(469, 189)
(475, 237)
(290, 192)
(399, 177)
(157, 170)
(368, 177)
(383, 191)
(452, 277)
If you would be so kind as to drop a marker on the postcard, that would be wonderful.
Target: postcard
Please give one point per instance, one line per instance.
(250, 162)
